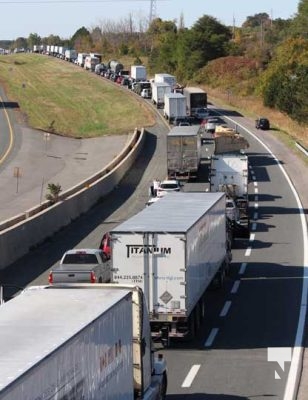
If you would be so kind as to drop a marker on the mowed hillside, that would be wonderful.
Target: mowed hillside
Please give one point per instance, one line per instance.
(57, 96)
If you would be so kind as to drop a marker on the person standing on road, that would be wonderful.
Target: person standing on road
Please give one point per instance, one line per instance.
(156, 183)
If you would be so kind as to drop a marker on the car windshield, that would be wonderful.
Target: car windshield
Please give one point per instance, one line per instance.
(169, 186)
(80, 258)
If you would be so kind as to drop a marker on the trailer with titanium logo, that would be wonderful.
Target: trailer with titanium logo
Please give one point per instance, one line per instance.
(173, 250)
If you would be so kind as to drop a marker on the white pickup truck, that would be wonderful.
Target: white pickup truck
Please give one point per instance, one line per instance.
(81, 266)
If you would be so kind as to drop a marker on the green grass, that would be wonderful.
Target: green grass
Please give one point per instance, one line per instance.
(58, 96)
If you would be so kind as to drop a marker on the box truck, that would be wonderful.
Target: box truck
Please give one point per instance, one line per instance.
(138, 72)
(159, 89)
(78, 342)
(174, 106)
(70, 55)
(173, 250)
(183, 151)
(195, 98)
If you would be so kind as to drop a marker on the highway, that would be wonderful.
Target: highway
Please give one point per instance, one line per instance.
(6, 129)
(259, 307)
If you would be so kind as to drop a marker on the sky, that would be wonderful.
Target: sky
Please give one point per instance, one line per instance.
(63, 18)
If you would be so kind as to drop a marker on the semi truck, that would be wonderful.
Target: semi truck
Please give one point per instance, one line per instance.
(90, 63)
(115, 66)
(195, 98)
(79, 342)
(167, 78)
(159, 89)
(183, 151)
(174, 250)
(174, 106)
(229, 174)
(138, 72)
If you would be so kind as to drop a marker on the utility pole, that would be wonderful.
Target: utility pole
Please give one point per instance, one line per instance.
(152, 11)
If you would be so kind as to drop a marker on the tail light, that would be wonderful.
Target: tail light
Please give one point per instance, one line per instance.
(92, 277)
(50, 277)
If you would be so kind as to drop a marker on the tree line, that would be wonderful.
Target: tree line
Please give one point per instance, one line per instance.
(264, 57)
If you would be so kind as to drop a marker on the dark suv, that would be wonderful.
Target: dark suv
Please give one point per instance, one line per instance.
(262, 123)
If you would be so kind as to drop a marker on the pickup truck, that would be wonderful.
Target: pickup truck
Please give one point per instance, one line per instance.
(81, 266)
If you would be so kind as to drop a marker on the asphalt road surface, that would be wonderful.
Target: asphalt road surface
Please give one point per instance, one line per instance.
(259, 307)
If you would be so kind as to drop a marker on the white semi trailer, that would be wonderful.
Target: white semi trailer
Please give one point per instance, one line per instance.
(138, 72)
(159, 89)
(78, 342)
(229, 174)
(174, 250)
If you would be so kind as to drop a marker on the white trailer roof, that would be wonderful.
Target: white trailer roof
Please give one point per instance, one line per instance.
(175, 95)
(38, 321)
(174, 212)
(192, 89)
(184, 130)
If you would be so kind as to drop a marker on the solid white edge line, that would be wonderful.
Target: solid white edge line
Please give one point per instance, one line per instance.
(211, 337)
(191, 376)
(225, 309)
(297, 355)
(235, 287)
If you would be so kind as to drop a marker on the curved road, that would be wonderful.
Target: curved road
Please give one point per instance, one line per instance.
(259, 307)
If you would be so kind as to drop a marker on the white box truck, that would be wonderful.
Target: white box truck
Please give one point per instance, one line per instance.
(78, 342)
(138, 72)
(159, 89)
(173, 250)
(70, 55)
(167, 78)
(195, 98)
(174, 106)
(183, 152)
(229, 174)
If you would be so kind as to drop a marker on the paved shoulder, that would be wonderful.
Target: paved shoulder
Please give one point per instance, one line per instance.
(43, 158)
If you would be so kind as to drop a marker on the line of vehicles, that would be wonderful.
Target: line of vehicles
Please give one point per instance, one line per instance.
(94, 324)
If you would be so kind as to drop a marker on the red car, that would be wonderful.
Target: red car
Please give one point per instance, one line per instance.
(105, 246)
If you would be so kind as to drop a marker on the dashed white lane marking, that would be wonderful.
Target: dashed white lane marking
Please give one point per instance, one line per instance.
(256, 191)
(191, 376)
(253, 178)
(256, 198)
(225, 309)
(255, 184)
(252, 237)
(243, 268)
(211, 337)
(255, 216)
(248, 252)
(256, 205)
(235, 287)
(254, 226)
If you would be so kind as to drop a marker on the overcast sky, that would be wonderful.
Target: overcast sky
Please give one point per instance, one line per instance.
(19, 18)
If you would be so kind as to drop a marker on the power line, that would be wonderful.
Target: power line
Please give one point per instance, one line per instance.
(67, 1)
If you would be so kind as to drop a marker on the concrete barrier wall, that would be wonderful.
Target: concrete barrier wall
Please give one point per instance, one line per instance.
(41, 222)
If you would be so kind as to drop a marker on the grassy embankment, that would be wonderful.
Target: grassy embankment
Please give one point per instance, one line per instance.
(59, 97)
(283, 127)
